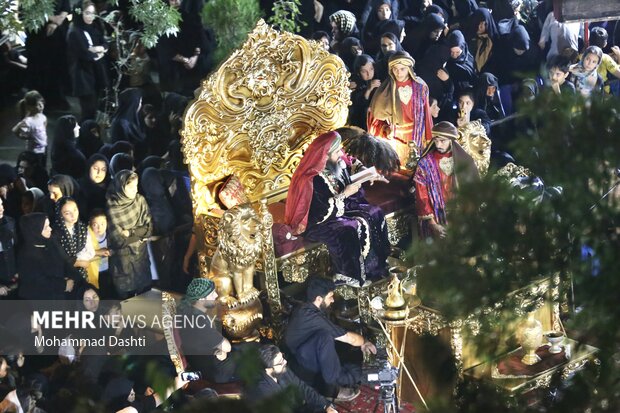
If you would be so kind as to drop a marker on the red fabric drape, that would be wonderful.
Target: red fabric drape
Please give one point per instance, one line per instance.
(301, 188)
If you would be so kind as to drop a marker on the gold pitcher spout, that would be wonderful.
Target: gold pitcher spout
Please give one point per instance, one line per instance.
(395, 297)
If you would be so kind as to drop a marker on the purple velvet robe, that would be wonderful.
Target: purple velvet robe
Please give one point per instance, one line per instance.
(354, 231)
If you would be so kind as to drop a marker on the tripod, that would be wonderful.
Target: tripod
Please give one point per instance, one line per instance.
(399, 356)
(387, 395)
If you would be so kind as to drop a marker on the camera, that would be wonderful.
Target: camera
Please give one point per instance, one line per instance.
(191, 375)
(386, 376)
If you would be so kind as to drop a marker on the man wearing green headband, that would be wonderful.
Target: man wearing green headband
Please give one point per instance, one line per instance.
(203, 345)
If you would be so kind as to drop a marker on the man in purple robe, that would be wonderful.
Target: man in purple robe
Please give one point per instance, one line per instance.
(324, 206)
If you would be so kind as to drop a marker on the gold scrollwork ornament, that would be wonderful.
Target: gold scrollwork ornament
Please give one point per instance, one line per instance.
(255, 114)
(474, 140)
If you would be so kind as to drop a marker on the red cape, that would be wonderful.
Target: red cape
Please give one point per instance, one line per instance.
(300, 191)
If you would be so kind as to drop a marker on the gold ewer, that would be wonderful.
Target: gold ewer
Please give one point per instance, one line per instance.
(530, 337)
(410, 287)
(395, 305)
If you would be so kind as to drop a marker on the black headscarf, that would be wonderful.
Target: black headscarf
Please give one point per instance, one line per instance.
(127, 124)
(456, 39)
(88, 142)
(67, 185)
(433, 21)
(492, 105)
(485, 80)
(72, 244)
(464, 9)
(31, 226)
(391, 26)
(174, 102)
(381, 66)
(158, 198)
(371, 31)
(38, 174)
(345, 51)
(63, 134)
(394, 39)
(116, 393)
(111, 149)
(485, 44)
(7, 174)
(94, 194)
(433, 8)
(152, 161)
(461, 70)
(119, 162)
(66, 157)
(480, 15)
(418, 39)
(520, 39)
(435, 58)
(78, 295)
(37, 197)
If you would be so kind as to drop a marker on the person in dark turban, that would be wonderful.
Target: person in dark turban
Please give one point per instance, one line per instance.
(442, 168)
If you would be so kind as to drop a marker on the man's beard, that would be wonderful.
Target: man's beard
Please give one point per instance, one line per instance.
(280, 374)
(335, 168)
(323, 307)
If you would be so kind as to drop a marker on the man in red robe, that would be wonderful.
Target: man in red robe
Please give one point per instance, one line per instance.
(440, 170)
(399, 110)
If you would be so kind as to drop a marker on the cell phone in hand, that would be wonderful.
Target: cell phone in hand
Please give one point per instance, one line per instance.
(191, 375)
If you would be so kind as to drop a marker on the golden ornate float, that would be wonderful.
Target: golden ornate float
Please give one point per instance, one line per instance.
(251, 120)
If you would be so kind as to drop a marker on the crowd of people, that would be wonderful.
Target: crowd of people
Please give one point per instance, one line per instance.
(102, 210)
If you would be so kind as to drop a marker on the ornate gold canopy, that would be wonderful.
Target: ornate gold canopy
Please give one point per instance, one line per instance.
(254, 116)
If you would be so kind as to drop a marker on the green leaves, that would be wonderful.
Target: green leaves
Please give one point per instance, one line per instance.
(157, 18)
(231, 20)
(499, 239)
(8, 16)
(286, 15)
(34, 14)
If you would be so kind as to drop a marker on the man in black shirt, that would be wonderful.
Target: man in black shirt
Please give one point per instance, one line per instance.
(205, 349)
(311, 337)
(276, 377)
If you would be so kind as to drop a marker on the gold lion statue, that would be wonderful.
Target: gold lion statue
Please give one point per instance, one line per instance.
(474, 140)
(239, 246)
(240, 242)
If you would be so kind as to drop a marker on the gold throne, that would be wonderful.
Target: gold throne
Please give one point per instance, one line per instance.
(252, 120)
